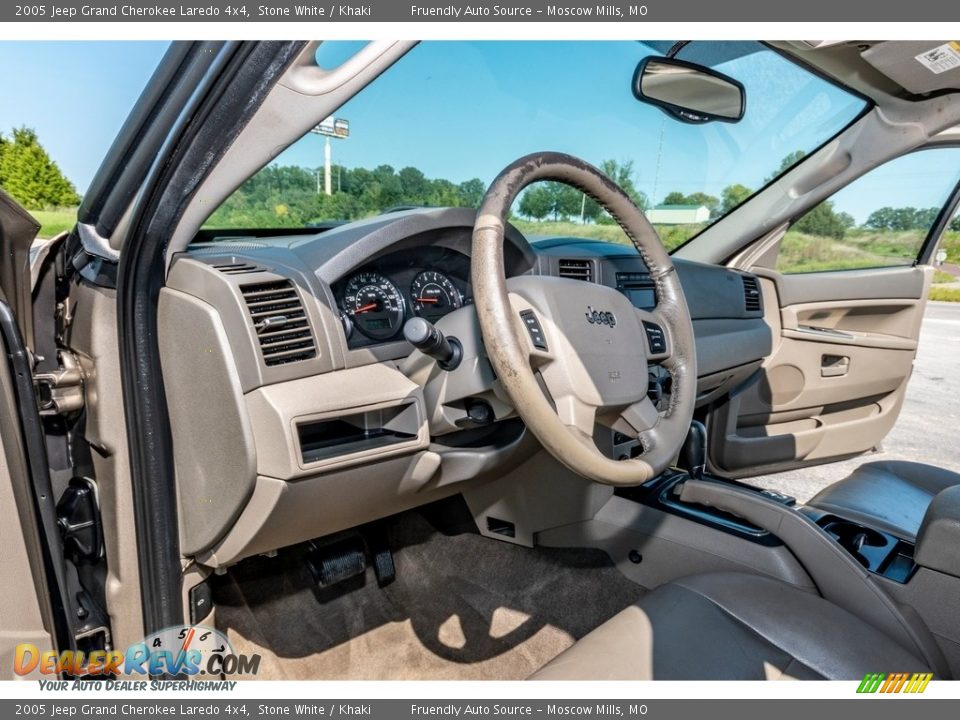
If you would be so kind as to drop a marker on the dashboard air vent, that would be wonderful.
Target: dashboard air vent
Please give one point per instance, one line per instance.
(283, 329)
(238, 268)
(576, 269)
(751, 294)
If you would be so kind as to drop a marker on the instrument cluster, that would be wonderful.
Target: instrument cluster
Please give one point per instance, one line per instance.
(378, 298)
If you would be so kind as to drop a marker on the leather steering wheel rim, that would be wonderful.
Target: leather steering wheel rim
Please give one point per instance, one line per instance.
(507, 346)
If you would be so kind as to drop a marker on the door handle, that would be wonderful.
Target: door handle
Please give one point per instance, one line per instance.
(834, 365)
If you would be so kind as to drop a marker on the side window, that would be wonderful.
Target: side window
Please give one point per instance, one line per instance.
(879, 220)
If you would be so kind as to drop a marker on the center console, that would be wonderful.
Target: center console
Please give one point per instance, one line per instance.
(878, 551)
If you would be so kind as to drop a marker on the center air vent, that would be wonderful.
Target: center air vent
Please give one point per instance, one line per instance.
(576, 269)
(751, 294)
(280, 321)
(238, 268)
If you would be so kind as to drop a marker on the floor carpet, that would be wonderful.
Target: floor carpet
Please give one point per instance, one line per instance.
(463, 607)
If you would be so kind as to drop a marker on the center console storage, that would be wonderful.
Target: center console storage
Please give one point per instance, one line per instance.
(877, 551)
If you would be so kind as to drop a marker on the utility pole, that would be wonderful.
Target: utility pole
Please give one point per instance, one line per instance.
(327, 153)
(338, 129)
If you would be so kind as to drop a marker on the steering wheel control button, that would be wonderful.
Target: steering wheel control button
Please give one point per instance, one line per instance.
(656, 338)
(532, 323)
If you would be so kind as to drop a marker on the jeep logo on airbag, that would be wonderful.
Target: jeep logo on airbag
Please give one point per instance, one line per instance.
(600, 317)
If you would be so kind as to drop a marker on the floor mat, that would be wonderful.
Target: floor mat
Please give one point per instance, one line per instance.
(463, 607)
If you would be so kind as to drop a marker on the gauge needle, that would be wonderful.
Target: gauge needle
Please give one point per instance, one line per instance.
(188, 640)
(427, 300)
(365, 308)
(184, 647)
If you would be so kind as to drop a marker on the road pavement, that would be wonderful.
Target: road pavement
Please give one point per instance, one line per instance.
(928, 426)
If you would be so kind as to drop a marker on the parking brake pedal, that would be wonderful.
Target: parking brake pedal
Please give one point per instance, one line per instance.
(338, 560)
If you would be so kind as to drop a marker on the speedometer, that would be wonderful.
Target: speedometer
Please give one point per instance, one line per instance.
(434, 295)
(374, 304)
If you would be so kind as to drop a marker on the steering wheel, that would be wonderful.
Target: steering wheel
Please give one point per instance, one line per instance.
(571, 354)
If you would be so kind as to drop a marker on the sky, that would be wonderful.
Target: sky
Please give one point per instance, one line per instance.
(459, 110)
(76, 95)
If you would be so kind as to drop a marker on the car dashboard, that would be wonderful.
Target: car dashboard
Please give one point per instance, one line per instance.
(297, 405)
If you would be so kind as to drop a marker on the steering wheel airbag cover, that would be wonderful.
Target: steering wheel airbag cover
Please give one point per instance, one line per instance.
(504, 341)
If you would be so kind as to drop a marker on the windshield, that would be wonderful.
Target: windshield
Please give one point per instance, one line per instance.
(436, 128)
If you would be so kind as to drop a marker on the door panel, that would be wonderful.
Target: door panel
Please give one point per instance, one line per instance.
(834, 383)
(22, 593)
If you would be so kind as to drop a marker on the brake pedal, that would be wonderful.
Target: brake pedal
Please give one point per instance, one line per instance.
(341, 559)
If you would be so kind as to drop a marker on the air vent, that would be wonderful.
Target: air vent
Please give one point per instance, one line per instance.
(239, 268)
(576, 269)
(280, 321)
(751, 294)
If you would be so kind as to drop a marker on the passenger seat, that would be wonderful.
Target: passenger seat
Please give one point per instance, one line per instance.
(890, 495)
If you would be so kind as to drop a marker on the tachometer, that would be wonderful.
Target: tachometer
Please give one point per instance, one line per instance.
(434, 295)
(374, 304)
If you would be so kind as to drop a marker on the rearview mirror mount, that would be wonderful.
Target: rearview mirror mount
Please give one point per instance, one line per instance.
(689, 92)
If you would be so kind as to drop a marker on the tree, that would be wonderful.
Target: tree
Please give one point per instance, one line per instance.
(902, 219)
(471, 192)
(708, 201)
(29, 174)
(567, 201)
(733, 195)
(847, 220)
(955, 224)
(697, 198)
(788, 161)
(823, 221)
(413, 185)
(880, 219)
(621, 172)
(537, 202)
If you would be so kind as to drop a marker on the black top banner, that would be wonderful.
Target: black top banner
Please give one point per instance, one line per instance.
(562, 11)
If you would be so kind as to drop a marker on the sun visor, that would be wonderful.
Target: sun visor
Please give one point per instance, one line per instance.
(918, 66)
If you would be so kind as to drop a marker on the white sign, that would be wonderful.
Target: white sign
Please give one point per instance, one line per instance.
(333, 127)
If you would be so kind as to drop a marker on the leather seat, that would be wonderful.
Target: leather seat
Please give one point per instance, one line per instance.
(890, 495)
(731, 626)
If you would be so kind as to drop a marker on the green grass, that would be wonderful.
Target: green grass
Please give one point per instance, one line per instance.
(951, 243)
(939, 276)
(945, 294)
(55, 221)
(801, 252)
(672, 236)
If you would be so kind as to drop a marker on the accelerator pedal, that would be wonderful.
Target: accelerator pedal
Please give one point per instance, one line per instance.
(380, 553)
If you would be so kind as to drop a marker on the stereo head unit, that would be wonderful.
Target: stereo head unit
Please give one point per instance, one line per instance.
(639, 288)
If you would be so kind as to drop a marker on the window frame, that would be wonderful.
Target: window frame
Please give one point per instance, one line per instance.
(930, 241)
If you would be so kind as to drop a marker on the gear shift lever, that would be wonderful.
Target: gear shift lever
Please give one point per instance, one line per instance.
(693, 454)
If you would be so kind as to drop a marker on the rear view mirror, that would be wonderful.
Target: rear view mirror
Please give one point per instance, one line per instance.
(688, 92)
